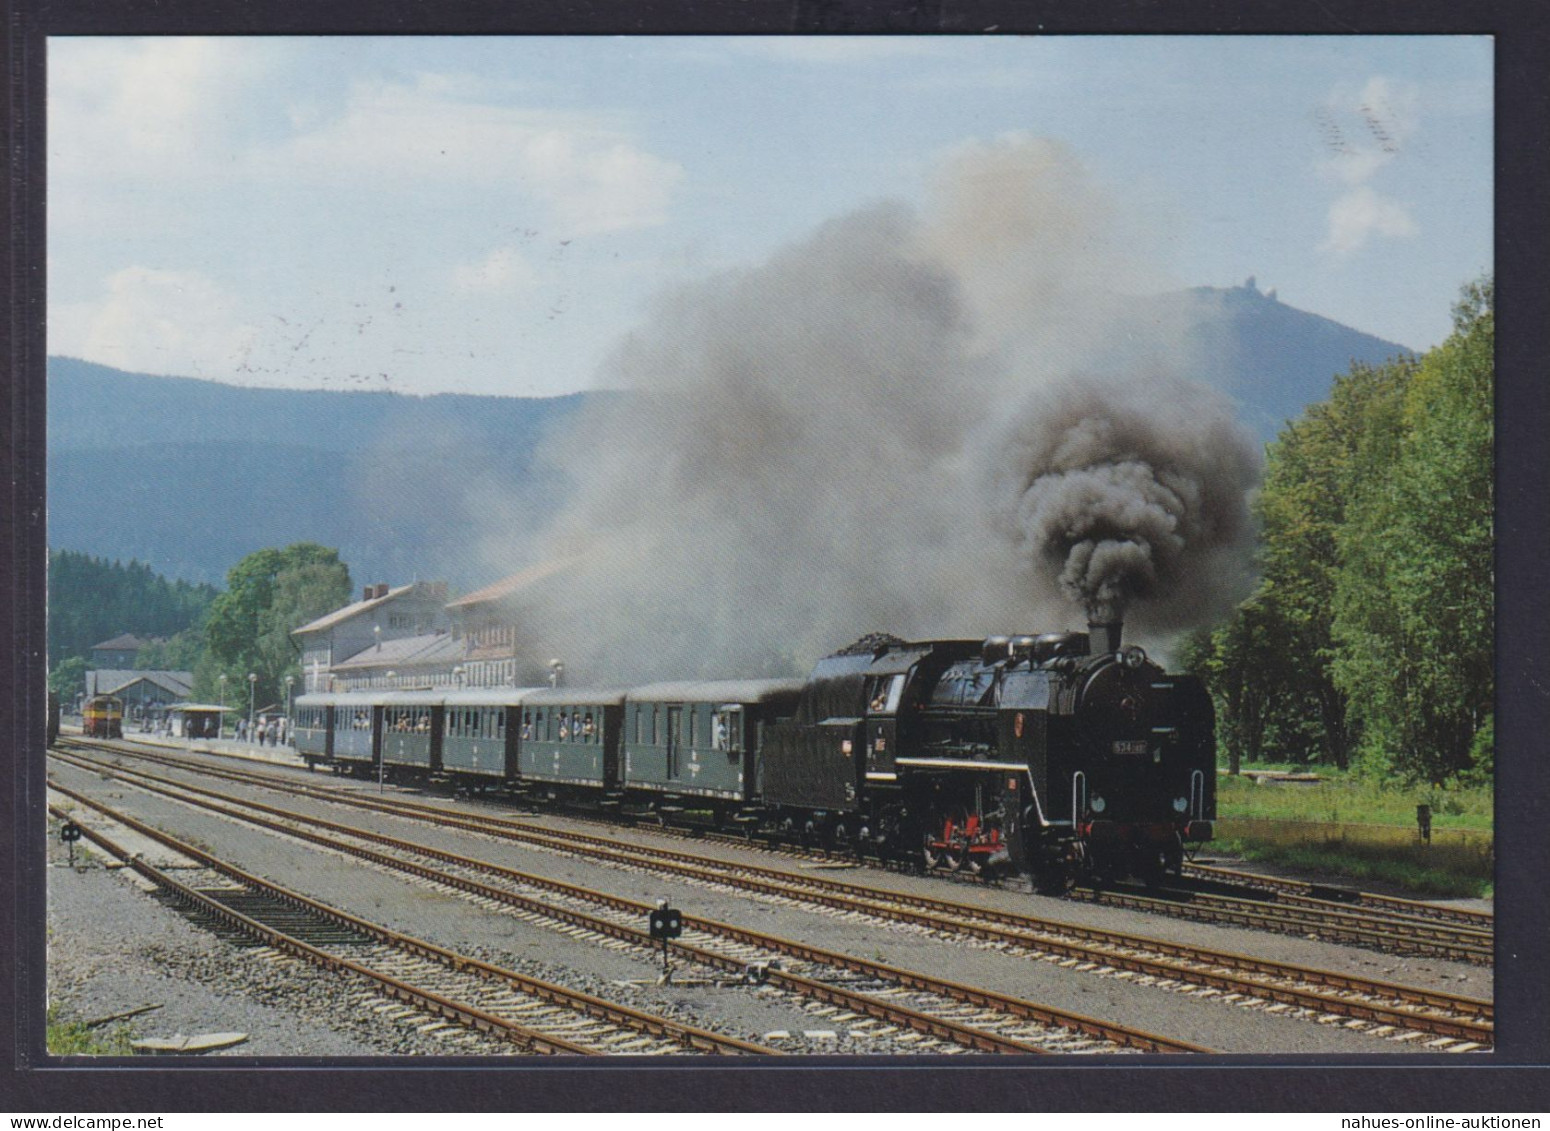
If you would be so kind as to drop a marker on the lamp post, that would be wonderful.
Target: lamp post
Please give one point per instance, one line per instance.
(290, 679)
(252, 691)
(556, 673)
(457, 674)
(221, 729)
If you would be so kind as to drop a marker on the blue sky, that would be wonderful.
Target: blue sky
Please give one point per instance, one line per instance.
(492, 215)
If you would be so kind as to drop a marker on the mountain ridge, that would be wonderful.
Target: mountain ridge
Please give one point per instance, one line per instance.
(199, 473)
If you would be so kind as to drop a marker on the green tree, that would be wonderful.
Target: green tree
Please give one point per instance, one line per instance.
(91, 599)
(180, 652)
(1414, 607)
(68, 679)
(269, 593)
(1268, 665)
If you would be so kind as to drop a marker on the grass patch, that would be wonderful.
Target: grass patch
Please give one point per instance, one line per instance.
(1410, 868)
(1363, 830)
(1339, 798)
(73, 1038)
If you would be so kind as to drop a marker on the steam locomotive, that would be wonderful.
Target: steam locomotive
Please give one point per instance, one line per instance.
(1026, 754)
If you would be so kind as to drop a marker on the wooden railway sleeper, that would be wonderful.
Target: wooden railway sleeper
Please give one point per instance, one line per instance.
(1086, 1025)
(686, 1034)
(962, 927)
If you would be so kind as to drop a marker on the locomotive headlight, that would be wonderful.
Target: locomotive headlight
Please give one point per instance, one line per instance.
(1180, 804)
(1133, 657)
(1099, 805)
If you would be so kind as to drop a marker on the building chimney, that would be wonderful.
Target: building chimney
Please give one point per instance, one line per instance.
(1104, 637)
(382, 589)
(366, 594)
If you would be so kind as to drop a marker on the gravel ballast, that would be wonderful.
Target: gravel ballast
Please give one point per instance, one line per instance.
(629, 976)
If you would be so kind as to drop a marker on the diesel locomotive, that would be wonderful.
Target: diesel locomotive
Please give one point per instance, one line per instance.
(103, 717)
(1054, 756)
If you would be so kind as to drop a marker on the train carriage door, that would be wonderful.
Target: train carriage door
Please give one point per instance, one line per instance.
(434, 724)
(726, 737)
(882, 724)
(675, 725)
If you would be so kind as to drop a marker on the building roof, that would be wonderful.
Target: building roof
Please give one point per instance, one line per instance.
(98, 680)
(123, 642)
(339, 616)
(407, 651)
(179, 683)
(515, 583)
(110, 681)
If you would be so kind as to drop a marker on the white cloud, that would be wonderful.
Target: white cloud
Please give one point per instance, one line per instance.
(1365, 130)
(143, 105)
(503, 271)
(586, 172)
(157, 322)
(189, 114)
(1362, 213)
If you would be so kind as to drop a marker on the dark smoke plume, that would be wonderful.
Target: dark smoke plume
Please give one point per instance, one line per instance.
(803, 450)
(1132, 496)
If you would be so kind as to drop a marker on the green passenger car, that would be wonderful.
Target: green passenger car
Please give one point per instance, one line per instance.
(407, 735)
(570, 736)
(477, 737)
(354, 726)
(701, 738)
(310, 727)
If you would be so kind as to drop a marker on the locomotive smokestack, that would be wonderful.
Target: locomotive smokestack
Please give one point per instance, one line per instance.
(1105, 635)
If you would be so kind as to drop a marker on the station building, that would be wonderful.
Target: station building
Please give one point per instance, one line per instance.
(413, 637)
(381, 617)
(500, 647)
(146, 694)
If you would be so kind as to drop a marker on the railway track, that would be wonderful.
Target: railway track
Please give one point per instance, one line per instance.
(1293, 907)
(536, 1016)
(943, 1016)
(1309, 917)
(1389, 1010)
(1305, 910)
(1325, 894)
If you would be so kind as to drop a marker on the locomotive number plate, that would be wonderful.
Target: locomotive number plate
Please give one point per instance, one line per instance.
(1130, 746)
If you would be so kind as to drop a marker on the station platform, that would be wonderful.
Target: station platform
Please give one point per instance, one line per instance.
(282, 755)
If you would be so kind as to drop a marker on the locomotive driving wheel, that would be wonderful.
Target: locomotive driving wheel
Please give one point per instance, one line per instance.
(947, 844)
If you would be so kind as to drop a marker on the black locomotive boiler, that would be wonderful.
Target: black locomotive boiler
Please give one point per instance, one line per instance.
(1031, 754)
(1027, 754)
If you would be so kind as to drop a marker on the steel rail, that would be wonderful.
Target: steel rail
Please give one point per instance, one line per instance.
(1020, 930)
(1483, 921)
(687, 1035)
(967, 1036)
(1383, 929)
(1337, 925)
(463, 1014)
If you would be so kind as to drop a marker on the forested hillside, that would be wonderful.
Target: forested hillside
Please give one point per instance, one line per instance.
(96, 407)
(191, 475)
(93, 599)
(1369, 640)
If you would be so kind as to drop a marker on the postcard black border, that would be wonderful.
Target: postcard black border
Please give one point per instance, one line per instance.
(1515, 1078)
